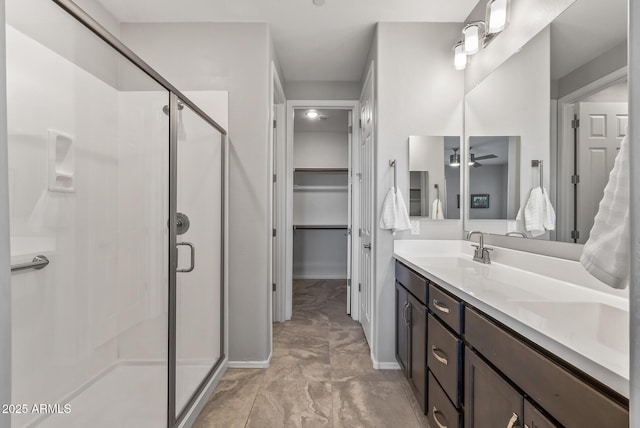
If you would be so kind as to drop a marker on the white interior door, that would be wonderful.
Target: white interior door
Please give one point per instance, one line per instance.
(349, 214)
(366, 207)
(274, 218)
(602, 127)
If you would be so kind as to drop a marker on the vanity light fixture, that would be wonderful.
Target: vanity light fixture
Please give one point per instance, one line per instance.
(472, 35)
(497, 15)
(454, 159)
(312, 114)
(478, 34)
(459, 57)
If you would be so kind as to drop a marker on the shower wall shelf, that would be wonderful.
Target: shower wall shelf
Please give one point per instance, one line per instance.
(62, 161)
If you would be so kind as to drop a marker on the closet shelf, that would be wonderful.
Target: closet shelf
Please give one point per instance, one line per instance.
(320, 226)
(308, 188)
(323, 170)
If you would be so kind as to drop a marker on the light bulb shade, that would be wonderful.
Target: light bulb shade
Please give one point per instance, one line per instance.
(497, 15)
(459, 57)
(311, 114)
(472, 36)
(454, 160)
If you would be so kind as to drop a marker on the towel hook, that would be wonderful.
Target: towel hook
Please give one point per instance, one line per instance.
(392, 163)
(538, 163)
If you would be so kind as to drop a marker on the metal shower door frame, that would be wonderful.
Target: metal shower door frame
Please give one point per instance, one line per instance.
(175, 96)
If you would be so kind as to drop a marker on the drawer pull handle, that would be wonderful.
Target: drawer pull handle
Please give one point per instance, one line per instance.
(406, 314)
(512, 421)
(435, 351)
(435, 417)
(439, 306)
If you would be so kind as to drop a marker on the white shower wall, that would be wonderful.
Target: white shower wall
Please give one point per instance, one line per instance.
(63, 315)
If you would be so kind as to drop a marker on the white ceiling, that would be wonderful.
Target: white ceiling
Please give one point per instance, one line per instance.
(586, 30)
(326, 43)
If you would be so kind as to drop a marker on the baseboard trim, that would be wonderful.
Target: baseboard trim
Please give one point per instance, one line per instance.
(385, 365)
(250, 364)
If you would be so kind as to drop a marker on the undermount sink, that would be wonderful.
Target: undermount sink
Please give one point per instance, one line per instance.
(588, 319)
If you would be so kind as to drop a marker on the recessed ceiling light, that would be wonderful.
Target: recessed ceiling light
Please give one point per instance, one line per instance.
(312, 114)
(318, 2)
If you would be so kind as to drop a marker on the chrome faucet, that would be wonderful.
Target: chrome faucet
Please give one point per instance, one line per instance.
(481, 254)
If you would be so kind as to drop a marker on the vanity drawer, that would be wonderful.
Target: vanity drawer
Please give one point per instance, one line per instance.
(444, 358)
(446, 307)
(569, 399)
(413, 282)
(440, 412)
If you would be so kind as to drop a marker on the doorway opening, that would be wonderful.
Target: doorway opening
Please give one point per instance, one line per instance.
(320, 203)
(592, 121)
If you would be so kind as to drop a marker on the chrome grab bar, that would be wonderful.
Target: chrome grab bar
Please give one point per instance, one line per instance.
(38, 262)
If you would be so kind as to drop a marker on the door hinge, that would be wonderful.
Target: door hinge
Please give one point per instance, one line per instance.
(575, 234)
(273, 286)
(575, 123)
(359, 233)
(360, 122)
(575, 179)
(348, 283)
(274, 178)
(359, 287)
(350, 129)
(275, 123)
(274, 232)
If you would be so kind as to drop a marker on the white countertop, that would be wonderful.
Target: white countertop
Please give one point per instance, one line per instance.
(554, 303)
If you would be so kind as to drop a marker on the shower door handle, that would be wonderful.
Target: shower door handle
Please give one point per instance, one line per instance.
(193, 256)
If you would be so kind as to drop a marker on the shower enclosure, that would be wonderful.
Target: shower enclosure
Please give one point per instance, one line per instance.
(117, 190)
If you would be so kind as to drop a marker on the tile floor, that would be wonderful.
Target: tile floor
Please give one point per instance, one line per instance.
(320, 375)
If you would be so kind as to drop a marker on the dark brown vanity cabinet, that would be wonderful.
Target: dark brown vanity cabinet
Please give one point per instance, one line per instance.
(411, 329)
(533, 418)
(489, 400)
(466, 367)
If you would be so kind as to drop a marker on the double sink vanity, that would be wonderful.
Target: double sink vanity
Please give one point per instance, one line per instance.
(524, 341)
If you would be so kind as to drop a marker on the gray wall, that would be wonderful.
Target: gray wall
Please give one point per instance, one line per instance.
(5, 259)
(491, 179)
(593, 70)
(232, 57)
(322, 90)
(418, 93)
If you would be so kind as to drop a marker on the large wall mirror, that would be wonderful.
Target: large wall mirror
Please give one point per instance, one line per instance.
(434, 177)
(564, 96)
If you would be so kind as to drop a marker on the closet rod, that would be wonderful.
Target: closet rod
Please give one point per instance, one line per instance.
(325, 227)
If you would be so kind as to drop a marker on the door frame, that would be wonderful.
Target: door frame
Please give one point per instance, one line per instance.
(562, 145)
(286, 293)
(277, 148)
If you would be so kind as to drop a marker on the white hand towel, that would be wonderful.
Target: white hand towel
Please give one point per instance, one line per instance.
(606, 253)
(549, 214)
(436, 210)
(534, 212)
(402, 217)
(394, 212)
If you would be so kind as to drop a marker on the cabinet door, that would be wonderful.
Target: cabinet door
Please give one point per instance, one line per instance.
(418, 349)
(489, 400)
(402, 328)
(533, 418)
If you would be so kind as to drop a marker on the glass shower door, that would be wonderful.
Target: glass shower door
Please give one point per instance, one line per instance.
(199, 242)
